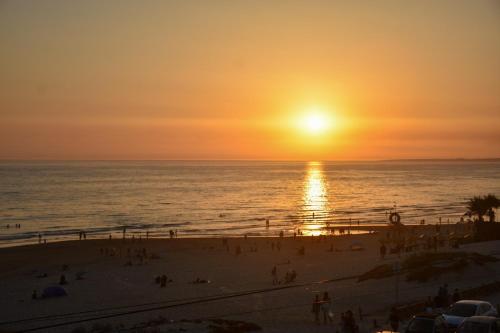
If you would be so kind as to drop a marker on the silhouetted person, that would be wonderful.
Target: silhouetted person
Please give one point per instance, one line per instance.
(394, 319)
(443, 295)
(349, 323)
(383, 251)
(316, 308)
(325, 307)
(62, 280)
(34, 295)
(456, 296)
(274, 273)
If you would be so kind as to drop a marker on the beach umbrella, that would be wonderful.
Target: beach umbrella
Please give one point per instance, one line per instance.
(54, 291)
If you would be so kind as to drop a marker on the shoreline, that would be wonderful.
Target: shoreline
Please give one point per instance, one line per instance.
(326, 229)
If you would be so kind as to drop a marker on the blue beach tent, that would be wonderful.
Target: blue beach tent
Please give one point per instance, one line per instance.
(54, 291)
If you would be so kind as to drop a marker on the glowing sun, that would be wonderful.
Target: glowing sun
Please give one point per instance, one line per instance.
(316, 122)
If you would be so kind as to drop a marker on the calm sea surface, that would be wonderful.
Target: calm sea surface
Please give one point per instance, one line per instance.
(58, 199)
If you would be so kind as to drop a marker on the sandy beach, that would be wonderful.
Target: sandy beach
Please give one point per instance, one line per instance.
(111, 277)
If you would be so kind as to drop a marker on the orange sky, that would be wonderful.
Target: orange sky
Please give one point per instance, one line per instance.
(230, 79)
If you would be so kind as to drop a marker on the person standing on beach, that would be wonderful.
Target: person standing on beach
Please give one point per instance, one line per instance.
(394, 319)
(456, 296)
(383, 251)
(325, 308)
(274, 273)
(316, 308)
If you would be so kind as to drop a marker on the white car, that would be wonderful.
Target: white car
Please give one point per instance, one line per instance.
(480, 324)
(460, 310)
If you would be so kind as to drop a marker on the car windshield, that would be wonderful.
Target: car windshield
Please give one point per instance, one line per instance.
(462, 310)
(472, 327)
(420, 325)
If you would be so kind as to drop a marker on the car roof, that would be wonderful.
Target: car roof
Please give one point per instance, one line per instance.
(427, 315)
(481, 319)
(474, 302)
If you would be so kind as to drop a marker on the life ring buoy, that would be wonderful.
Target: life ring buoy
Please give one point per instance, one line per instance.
(395, 218)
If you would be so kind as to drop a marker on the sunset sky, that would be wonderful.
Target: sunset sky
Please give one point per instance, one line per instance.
(278, 80)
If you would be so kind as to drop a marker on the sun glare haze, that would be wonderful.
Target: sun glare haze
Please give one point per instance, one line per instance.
(317, 122)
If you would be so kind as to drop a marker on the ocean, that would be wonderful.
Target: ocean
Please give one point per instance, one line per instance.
(216, 198)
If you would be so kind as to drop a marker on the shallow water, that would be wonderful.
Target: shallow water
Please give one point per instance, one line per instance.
(58, 199)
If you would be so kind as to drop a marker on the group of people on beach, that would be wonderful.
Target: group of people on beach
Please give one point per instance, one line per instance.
(323, 306)
(443, 298)
(17, 226)
(407, 240)
(322, 311)
(290, 276)
(162, 280)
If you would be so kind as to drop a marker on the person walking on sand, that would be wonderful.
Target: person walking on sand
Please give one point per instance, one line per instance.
(316, 306)
(325, 308)
(349, 323)
(456, 296)
(394, 319)
(274, 273)
(383, 251)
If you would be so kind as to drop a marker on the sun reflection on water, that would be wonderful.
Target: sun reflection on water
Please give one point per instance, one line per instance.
(315, 200)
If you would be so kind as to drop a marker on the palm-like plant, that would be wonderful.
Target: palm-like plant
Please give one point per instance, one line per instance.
(475, 206)
(481, 206)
